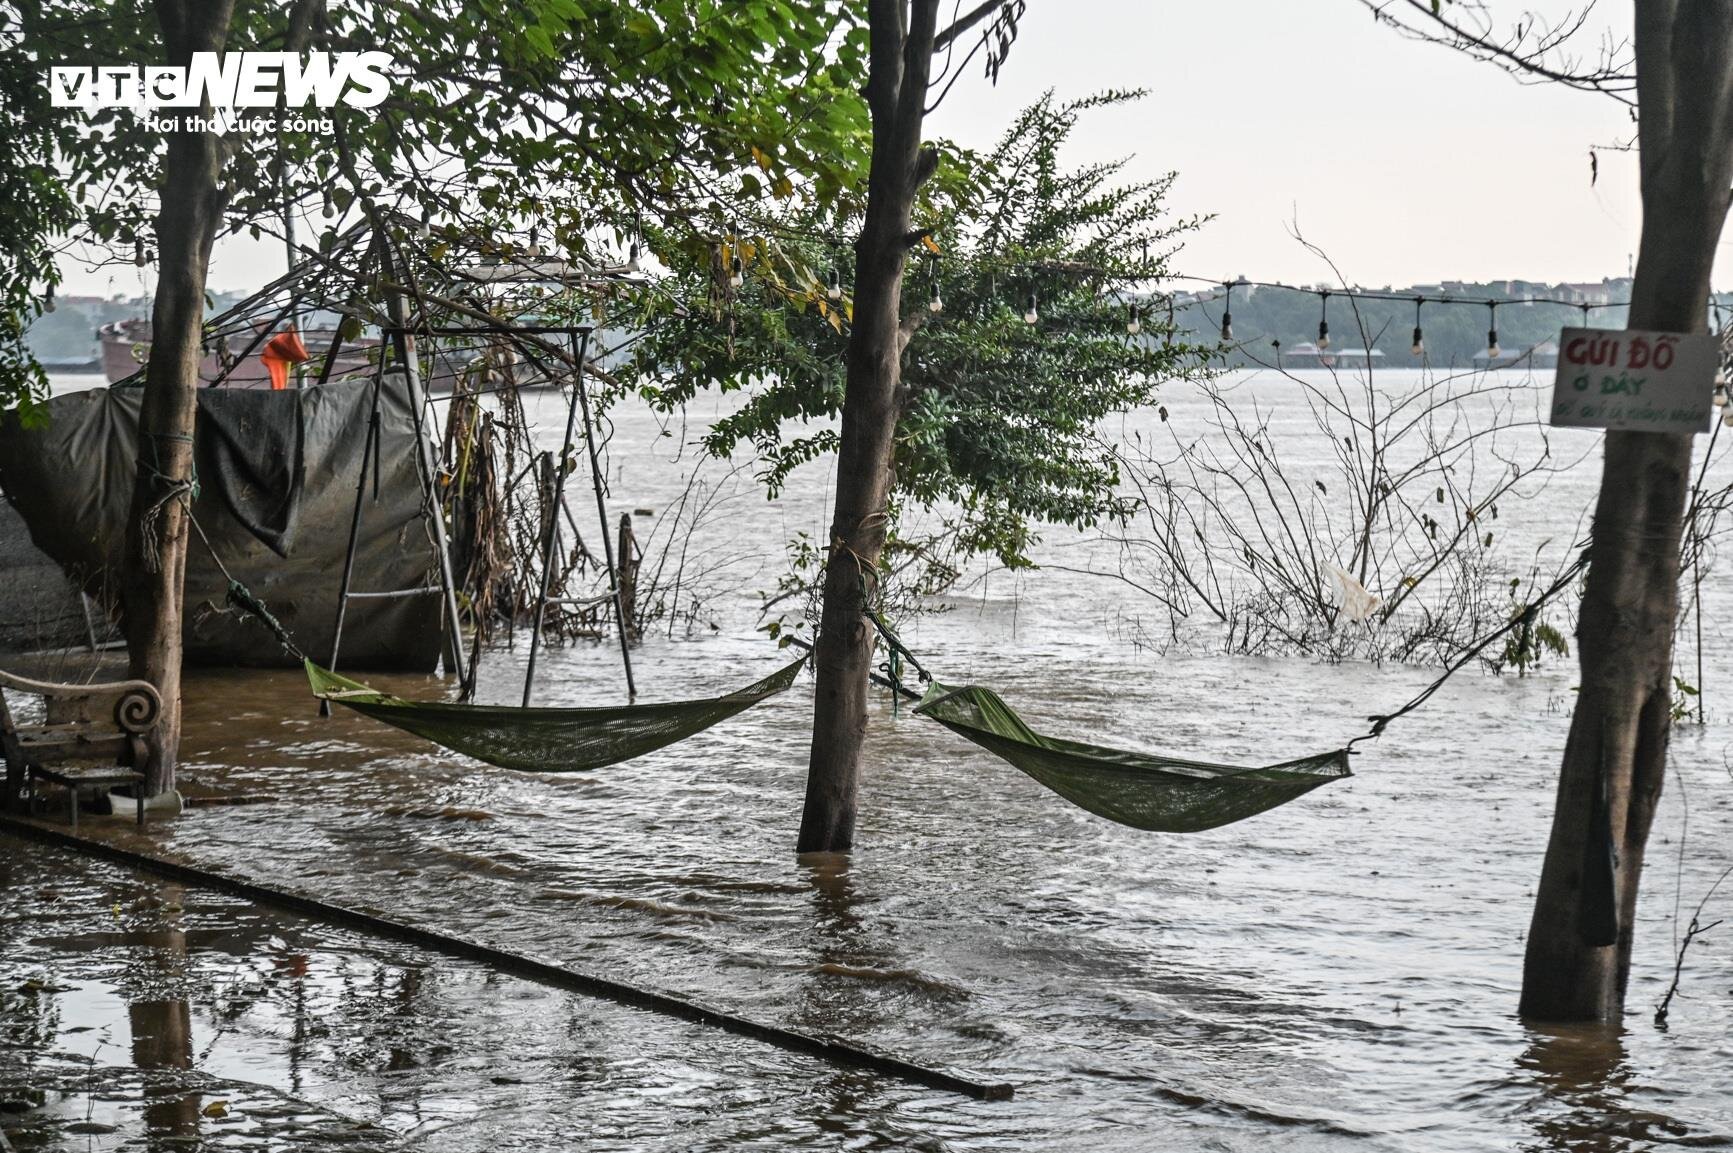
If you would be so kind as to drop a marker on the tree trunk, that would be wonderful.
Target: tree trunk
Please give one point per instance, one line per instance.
(900, 61)
(186, 227)
(1579, 944)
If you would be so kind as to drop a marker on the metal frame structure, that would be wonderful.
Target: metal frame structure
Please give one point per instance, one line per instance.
(402, 338)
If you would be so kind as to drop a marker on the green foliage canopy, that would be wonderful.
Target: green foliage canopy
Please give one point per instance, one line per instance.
(578, 117)
(999, 422)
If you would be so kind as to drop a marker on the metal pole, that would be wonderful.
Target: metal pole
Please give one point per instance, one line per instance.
(550, 544)
(354, 531)
(405, 345)
(292, 257)
(583, 352)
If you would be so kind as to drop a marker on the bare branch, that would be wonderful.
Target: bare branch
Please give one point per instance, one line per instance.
(1534, 49)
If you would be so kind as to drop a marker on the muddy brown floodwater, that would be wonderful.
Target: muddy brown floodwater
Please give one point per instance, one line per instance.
(1340, 973)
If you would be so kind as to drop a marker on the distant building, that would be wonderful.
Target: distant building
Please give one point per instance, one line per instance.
(1582, 293)
(1304, 355)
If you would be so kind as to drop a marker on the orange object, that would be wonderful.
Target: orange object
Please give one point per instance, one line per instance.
(280, 352)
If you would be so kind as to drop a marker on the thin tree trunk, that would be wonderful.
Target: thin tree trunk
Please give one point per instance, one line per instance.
(901, 57)
(1579, 945)
(186, 227)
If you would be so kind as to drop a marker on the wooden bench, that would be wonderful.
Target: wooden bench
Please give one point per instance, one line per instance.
(91, 739)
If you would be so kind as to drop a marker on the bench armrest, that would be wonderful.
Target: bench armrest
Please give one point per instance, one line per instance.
(137, 709)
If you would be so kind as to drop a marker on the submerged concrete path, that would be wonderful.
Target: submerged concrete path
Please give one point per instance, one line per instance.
(830, 1049)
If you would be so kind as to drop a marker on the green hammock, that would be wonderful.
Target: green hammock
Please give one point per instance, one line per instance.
(1162, 794)
(541, 740)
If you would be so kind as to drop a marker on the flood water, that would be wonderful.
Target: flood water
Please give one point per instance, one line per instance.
(1339, 973)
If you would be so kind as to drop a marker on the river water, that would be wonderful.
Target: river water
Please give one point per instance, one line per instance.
(1341, 972)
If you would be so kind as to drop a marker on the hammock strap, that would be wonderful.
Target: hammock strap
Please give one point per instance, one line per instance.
(1526, 616)
(896, 645)
(242, 598)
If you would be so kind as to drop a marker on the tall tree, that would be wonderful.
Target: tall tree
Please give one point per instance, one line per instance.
(191, 213)
(1679, 78)
(501, 115)
(998, 420)
(903, 35)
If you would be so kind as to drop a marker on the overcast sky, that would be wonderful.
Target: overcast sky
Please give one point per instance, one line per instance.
(1406, 162)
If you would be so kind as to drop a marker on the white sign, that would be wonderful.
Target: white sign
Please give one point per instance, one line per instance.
(1635, 381)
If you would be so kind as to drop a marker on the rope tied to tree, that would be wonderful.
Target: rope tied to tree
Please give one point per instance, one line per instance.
(184, 489)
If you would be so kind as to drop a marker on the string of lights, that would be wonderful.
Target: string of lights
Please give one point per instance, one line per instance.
(1138, 309)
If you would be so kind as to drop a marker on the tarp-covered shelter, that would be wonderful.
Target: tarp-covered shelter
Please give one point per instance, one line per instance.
(276, 475)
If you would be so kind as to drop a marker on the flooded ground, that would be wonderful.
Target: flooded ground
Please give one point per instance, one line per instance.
(1338, 973)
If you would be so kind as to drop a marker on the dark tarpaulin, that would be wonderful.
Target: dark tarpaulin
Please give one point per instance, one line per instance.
(276, 473)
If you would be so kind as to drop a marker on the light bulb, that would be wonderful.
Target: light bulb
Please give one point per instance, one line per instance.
(426, 228)
(1492, 349)
(1134, 323)
(632, 258)
(835, 289)
(330, 209)
(138, 253)
(48, 303)
(1032, 313)
(1720, 385)
(1419, 348)
(1227, 327)
(736, 272)
(535, 248)
(936, 304)
(1323, 334)
(1727, 419)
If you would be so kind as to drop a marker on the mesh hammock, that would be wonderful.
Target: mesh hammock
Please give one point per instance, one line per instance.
(541, 740)
(1161, 794)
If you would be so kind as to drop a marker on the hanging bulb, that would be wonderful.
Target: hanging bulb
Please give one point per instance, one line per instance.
(835, 289)
(48, 301)
(736, 271)
(1032, 313)
(1227, 312)
(1727, 419)
(1324, 323)
(935, 303)
(1419, 348)
(632, 258)
(138, 251)
(426, 228)
(1720, 385)
(1492, 349)
(535, 248)
(330, 209)
(1134, 320)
